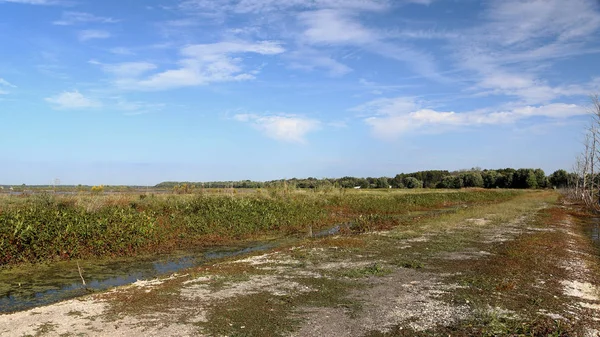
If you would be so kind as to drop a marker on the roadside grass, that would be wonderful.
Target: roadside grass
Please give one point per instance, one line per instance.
(265, 314)
(491, 325)
(412, 264)
(334, 290)
(374, 269)
(510, 291)
(521, 276)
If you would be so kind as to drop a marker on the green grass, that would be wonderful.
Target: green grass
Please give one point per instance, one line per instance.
(48, 227)
(375, 269)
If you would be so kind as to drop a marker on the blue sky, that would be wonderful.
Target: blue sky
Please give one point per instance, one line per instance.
(138, 92)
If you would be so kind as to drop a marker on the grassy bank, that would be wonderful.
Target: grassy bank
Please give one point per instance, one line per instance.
(49, 227)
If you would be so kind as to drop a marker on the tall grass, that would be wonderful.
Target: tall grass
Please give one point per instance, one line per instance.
(45, 227)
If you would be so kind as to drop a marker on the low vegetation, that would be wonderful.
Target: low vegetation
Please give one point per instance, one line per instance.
(46, 227)
(428, 263)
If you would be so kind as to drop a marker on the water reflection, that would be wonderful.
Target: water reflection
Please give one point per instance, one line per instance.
(592, 228)
(42, 285)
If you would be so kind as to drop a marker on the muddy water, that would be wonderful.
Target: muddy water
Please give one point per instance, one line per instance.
(28, 287)
(32, 286)
(592, 229)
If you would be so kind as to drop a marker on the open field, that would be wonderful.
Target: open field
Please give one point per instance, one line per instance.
(499, 263)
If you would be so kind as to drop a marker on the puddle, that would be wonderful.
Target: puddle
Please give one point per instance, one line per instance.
(333, 230)
(33, 286)
(592, 229)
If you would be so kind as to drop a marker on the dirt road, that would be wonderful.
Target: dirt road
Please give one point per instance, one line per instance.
(520, 266)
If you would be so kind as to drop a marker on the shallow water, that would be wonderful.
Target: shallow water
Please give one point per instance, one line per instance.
(32, 286)
(592, 229)
(28, 287)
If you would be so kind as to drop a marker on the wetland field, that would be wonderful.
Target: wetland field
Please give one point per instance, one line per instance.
(279, 262)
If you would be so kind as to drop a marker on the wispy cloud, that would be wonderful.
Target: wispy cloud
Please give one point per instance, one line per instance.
(526, 87)
(334, 27)
(282, 127)
(90, 34)
(135, 107)
(265, 6)
(5, 83)
(203, 64)
(329, 26)
(310, 59)
(530, 21)
(72, 100)
(34, 2)
(126, 69)
(121, 51)
(540, 31)
(73, 18)
(422, 34)
(390, 118)
(323, 26)
(420, 2)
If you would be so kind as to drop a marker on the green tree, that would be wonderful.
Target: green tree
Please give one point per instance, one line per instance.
(489, 178)
(451, 182)
(412, 182)
(396, 182)
(559, 179)
(540, 177)
(531, 181)
(472, 179)
(382, 183)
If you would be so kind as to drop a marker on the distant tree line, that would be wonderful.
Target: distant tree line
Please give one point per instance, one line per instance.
(524, 178)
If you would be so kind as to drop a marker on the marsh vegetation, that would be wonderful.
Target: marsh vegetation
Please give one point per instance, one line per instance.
(56, 227)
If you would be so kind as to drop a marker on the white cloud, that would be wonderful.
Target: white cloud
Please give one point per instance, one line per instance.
(420, 2)
(73, 18)
(311, 59)
(429, 34)
(329, 26)
(126, 69)
(530, 20)
(322, 24)
(334, 27)
(264, 6)
(5, 83)
(204, 64)
(288, 128)
(541, 31)
(72, 100)
(121, 51)
(135, 107)
(34, 2)
(526, 87)
(90, 34)
(392, 117)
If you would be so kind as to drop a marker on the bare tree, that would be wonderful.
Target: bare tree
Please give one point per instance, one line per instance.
(586, 186)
